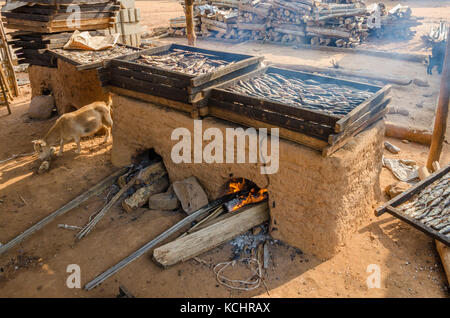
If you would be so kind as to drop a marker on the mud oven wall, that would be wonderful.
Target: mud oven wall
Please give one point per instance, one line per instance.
(315, 202)
(72, 89)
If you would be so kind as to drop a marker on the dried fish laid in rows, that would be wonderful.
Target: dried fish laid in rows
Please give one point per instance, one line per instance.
(310, 94)
(87, 57)
(431, 206)
(193, 63)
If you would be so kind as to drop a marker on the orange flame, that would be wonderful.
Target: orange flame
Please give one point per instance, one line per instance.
(256, 195)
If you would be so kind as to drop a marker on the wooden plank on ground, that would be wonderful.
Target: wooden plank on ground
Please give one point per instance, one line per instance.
(210, 237)
(98, 188)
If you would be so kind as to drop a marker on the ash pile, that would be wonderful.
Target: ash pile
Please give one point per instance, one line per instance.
(297, 22)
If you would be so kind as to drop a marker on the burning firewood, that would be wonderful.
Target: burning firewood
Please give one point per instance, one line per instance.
(210, 237)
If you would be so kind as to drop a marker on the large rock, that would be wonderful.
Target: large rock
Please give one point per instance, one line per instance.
(164, 201)
(41, 107)
(191, 194)
(397, 188)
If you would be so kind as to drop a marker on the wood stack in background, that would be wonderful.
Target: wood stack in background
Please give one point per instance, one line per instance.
(253, 21)
(288, 21)
(127, 24)
(396, 23)
(32, 47)
(218, 22)
(52, 16)
(48, 24)
(341, 23)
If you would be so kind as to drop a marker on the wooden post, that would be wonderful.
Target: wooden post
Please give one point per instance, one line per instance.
(189, 8)
(440, 123)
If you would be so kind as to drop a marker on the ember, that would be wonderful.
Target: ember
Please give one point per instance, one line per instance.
(252, 194)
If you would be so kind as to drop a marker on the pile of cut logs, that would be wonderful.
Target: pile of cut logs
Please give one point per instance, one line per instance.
(253, 20)
(396, 23)
(337, 23)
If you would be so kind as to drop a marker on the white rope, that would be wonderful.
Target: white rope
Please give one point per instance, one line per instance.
(250, 283)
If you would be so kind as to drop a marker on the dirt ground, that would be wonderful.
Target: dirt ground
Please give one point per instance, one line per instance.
(409, 263)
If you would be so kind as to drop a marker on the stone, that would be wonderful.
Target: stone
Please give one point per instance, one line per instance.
(163, 202)
(141, 196)
(191, 194)
(392, 148)
(396, 188)
(41, 107)
(44, 167)
(420, 82)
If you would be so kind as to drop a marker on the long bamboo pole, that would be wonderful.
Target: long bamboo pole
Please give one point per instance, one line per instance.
(440, 122)
(189, 8)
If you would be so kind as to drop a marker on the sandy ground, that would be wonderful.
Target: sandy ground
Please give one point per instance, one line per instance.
(409, 263)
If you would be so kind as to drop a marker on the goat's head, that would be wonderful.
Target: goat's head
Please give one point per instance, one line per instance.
(44, 151)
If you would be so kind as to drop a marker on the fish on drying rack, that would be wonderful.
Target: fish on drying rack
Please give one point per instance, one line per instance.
(304, 93)
(431, 206)
(193, 63)
(87, 57)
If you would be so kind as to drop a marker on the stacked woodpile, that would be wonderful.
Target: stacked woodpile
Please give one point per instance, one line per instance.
(396, 23)
(345, 23)
(127, 24)
(218, 22)
(254, 20)
(48, 24)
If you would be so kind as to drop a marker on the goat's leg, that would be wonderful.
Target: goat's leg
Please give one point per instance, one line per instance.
(77, 140)
(108, 134)
(61, 146)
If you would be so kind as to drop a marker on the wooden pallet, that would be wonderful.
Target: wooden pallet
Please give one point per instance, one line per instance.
(391, 206)
(7, 69)
(316, 129)
(125, 73)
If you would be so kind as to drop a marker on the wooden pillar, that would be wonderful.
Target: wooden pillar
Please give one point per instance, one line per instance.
(189, 7)
(440, 123)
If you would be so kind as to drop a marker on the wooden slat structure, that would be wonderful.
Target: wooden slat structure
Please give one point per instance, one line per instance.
(7, 68)
(164, 84)
(57, 16)
(316, 129)
(391, 206)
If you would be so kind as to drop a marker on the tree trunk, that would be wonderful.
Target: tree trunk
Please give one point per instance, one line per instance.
(189, 5)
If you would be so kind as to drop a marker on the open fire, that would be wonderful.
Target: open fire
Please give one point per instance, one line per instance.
(251, 193)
